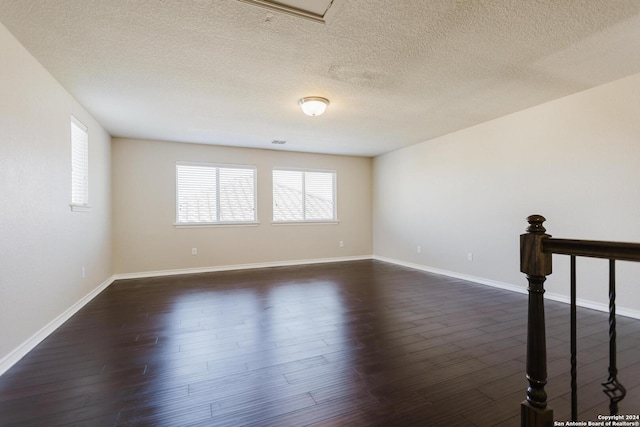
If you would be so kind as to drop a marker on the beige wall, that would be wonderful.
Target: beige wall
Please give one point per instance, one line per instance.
(146, 240)
(43, 245)
(575, 160)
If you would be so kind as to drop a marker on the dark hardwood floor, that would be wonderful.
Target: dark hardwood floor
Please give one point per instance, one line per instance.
(342, 344)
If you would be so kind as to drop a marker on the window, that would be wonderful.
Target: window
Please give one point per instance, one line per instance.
(215, 194)
(304, 195)
(79, 165)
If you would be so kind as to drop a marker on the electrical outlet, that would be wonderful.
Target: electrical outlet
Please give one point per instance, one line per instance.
(419, 249)
(341, 243)
(470, 256)
(194, 251)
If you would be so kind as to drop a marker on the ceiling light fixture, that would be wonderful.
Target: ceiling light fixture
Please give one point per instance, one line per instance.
(313, 105)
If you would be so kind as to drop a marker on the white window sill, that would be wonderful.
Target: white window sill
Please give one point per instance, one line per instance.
(80, 208)
(214, 224)
(305, 222)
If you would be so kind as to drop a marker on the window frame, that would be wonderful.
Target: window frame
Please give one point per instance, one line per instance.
(218, 223)
(79, 148)
(334, 190)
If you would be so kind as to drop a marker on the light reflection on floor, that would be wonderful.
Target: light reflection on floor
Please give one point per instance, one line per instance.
(253, 332)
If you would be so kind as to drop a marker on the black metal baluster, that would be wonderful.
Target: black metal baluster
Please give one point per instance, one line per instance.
(612, 387)
(574, 382)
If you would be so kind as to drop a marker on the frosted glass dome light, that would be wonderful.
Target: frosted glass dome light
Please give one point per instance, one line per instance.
(313, 105)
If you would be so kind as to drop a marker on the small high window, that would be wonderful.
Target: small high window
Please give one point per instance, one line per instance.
(79, 165)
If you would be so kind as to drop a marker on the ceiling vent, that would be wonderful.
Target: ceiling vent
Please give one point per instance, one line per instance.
(314, 10)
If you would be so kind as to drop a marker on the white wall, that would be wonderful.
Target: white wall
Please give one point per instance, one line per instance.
(146, 240)
(575, 160)
(43, 245)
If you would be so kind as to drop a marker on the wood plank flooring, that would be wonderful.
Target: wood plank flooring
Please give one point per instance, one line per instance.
(361, 343)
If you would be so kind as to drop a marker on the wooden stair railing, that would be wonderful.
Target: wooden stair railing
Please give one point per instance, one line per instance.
(536, 249)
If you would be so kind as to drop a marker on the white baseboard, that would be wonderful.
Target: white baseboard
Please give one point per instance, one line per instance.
(160, 273)
(622, 311)
(19, 352)
(593, 305)
(474, 279)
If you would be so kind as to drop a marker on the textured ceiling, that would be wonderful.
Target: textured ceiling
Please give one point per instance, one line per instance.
(397, 72)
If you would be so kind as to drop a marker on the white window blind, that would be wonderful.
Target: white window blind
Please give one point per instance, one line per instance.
(303, 195)
(210, 194)
(79, 163)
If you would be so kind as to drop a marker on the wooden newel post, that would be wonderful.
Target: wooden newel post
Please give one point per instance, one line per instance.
(536, 264)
